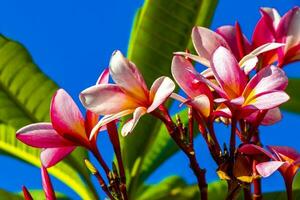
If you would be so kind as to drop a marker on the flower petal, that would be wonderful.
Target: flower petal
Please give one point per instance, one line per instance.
(201, 104)
(196, 58)
(285, 153)
(51, 156)
(272, 116)
(47, 185)
(104, 77)
(228, 73)
(26, 193)
(229, 33)
(251, 149)
(186, 76)
(161, 89)
(289, 28)
(41, 135)
(66, 117)
(266, 80)
(106, 99)
(206, 42)
(129, 126)
(265, 28)
(266, 169)
(107, 119)
(127, 76)
(269, 100)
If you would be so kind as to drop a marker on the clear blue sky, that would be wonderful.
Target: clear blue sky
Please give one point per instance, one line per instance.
(72, 41)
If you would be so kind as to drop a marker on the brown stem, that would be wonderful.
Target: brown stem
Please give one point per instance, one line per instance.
(114, 138)
(174, 132)
(247, 193)
(232, 138)
(289, 188)
(191, 127)
(99, 158)
(257, 194)
(103, 185)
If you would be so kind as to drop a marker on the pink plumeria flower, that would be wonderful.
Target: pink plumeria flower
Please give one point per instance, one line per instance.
(128, 95)
(284, 159)
(67, 130)
(264, 91)
(207, 41)
(271, 27)
(199, 94)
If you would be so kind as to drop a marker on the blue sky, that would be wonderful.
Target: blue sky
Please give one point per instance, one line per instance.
(72, 42)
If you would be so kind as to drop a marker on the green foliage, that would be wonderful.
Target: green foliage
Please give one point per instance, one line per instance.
(25, 95)
(160, 28)
(293, 105)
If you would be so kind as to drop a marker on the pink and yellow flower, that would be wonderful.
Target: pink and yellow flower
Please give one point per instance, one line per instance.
(272, 28)
(67, 130)
(264, 91)
(128, 95)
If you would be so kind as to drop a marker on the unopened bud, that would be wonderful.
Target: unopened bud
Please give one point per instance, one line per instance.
(90, 166)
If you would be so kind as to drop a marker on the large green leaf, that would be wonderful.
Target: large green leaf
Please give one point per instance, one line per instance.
(293, 105)
(36, 194)
(160, 28)
(25, 95)
(173, 187)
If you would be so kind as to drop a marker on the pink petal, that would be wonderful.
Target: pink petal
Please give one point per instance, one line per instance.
(91, 119)
(264, 31)
(104, 77)
(248, 63)
(289, 28)
(272, 116)
(41, 135)
(47, 185)
(266, 169)
(161, 89)
(206, 42)
(229, 33)
(266, 80)
(127, 76)
(284, 151)
(107, 119)
(185, 75)
(201, 104)
(251, 149)
(129, 126)
(51, 156)
(26, 193)
(66, 117)
(178, 97)
(106, 99)
(196, 58)
(269, 100)
(228, 73)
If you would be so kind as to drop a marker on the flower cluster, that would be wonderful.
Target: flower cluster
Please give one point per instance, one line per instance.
(243, 86)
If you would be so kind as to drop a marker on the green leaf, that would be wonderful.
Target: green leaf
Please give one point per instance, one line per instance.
(36, 194)
(296, 183)
(160, 28)
(293, 105)
(5, 195)
(25, 95)
(280, 195)
(172, 187)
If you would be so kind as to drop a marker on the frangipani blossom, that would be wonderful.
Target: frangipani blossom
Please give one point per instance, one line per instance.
(284, 159)
(264, 91)
(128, 95)
(207, 41)
(272, 28)
(67, 130)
